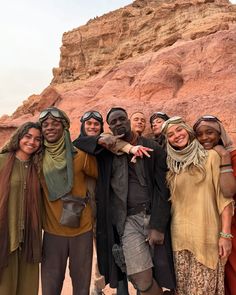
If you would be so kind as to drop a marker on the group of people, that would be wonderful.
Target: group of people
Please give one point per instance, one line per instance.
(160, 208)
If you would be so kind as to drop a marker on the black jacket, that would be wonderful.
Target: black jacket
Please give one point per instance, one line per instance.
(108, 231)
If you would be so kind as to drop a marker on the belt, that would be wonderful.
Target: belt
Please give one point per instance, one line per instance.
(144, 207)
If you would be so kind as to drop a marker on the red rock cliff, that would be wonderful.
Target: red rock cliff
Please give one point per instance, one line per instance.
(173, 56)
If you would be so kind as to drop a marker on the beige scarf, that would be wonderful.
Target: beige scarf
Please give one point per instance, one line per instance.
(193, 155)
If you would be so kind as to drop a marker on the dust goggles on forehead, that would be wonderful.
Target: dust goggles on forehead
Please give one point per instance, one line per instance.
(208, 118)
(91, 114)
(156, 115)
(50, 111)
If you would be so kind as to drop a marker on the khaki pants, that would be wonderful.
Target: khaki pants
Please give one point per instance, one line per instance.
(19, 277)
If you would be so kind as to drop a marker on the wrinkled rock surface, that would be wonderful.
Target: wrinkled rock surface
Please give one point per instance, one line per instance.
(173, 56)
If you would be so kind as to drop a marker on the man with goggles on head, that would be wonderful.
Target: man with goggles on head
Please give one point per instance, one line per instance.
(92, 125)
(67, 213)
(156, 120)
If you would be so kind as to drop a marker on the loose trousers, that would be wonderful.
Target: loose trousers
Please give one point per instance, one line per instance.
(56, 251)
(19, 277)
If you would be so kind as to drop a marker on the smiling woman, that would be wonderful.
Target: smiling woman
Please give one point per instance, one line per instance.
(201, 214)
(20, 226)
(212, 135)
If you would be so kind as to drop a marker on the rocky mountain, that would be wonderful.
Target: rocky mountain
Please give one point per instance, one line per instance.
(152, 55)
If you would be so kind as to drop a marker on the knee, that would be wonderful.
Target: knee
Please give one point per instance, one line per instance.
(142, 285)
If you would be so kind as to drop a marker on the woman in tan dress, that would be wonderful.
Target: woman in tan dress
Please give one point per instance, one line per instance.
(201, 216)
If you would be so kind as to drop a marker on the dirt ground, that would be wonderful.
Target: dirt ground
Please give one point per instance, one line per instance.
(67, 288)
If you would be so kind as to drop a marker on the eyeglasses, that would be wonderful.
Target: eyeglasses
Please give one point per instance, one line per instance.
(50, 111)
(91, 114)
(205, 118)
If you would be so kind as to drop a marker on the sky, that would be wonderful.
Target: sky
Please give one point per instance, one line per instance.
(31, 36)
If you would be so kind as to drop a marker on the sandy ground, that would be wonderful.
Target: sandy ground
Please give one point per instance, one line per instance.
(67, 289)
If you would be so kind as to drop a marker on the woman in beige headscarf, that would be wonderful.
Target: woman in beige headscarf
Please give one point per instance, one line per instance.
(211, 134)
(201, 215)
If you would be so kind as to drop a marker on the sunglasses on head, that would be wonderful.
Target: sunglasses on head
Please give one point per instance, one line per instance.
(208, 118)
(53, 112)
(91, 114)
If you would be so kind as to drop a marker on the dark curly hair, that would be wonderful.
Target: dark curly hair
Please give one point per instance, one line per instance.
(13, 144)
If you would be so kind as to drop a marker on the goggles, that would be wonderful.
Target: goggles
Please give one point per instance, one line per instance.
(208, 118)
(50, 111)
(161, 115)
(91, 114)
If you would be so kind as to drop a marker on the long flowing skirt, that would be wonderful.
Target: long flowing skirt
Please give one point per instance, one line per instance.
(194, 278)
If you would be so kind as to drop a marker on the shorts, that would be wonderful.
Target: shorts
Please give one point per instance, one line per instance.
(136, 249)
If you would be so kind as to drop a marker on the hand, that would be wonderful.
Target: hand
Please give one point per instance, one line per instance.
(109, 141)
(139, 151)
(155, 237)
(225, 246)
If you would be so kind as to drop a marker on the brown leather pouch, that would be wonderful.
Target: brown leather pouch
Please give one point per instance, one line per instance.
(72, 210)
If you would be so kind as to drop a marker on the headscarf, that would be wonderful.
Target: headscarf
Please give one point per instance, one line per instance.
(193, 155)
(58, 158)
(218, 126)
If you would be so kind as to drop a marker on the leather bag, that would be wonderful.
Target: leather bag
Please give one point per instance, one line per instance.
(72, 210)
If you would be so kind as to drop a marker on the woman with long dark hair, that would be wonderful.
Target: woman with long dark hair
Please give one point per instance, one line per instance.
(20, 222)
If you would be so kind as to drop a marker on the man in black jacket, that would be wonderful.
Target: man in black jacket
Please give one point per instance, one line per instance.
(133, 210)
(139, 204)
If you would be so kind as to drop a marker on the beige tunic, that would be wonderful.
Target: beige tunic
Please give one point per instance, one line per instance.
(196, 209)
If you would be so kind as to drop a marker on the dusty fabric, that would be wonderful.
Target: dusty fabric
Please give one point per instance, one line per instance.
(196, 209)
(56, 252)
(58, 166)
(19, 277)
(83, 165)
(106, 236)
(136, 250)
(194, 278)
(192, 154)
(21, 201)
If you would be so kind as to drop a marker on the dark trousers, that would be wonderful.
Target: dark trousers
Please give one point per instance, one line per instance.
(56, 251)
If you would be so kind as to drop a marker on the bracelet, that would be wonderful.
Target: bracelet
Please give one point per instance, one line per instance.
(226, 235)
(226, 170)
(225, 165)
